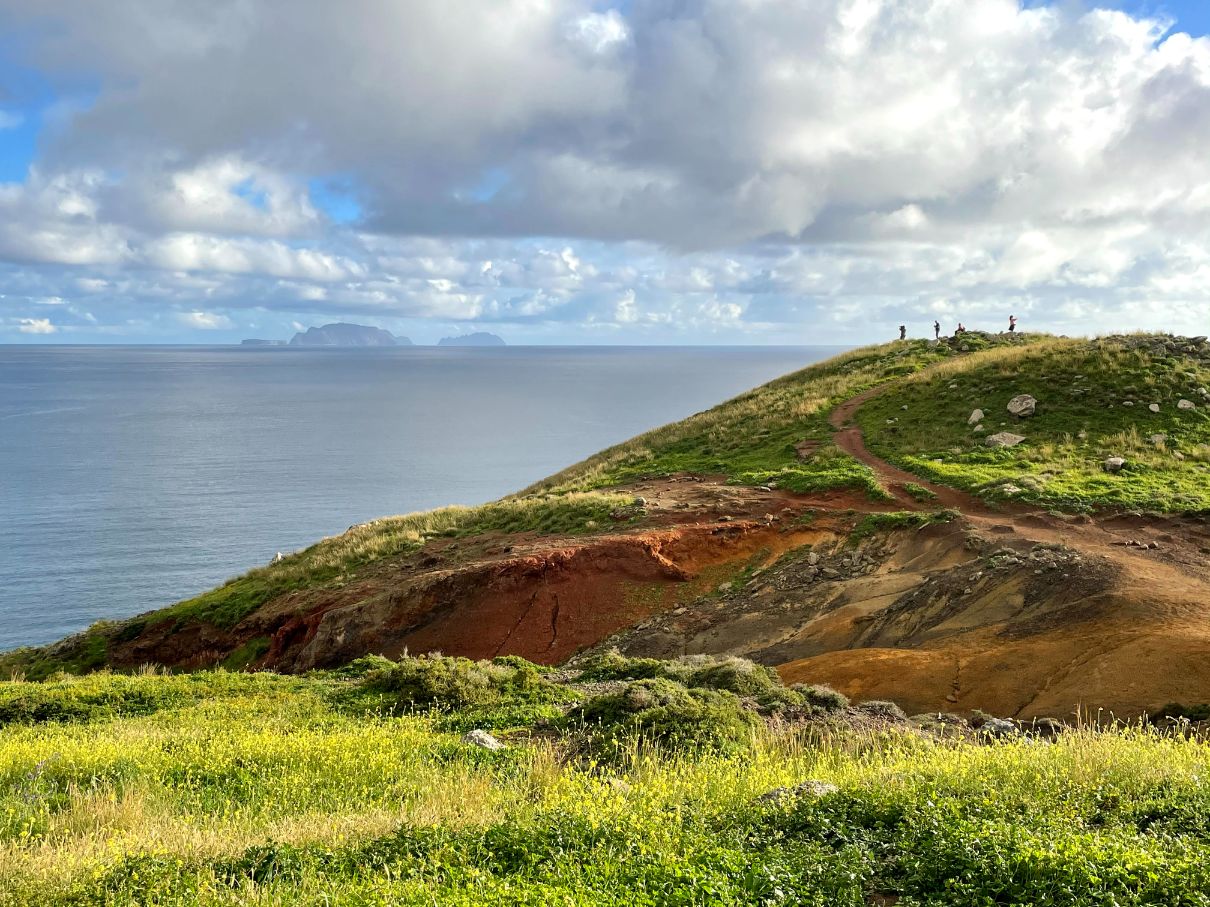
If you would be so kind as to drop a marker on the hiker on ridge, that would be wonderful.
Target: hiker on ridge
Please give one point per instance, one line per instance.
(1012, 324)
(937, 329)
(903, 332)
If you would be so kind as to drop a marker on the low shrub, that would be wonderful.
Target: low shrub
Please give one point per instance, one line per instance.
(880, 708)
(822, 697)
(665, 713)
(439, 681)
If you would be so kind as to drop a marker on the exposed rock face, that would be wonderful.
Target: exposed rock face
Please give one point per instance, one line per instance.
(1004, 439)
(1022, 405)
(343, 334)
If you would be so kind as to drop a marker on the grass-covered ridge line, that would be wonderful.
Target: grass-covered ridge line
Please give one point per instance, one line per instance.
(336, 557)
(1082, 388)
(353, 787)
(331, 560)
(751, 439)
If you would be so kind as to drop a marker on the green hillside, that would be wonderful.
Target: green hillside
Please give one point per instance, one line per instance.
(1094, 402)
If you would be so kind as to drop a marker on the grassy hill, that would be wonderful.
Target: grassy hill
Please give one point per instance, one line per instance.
(355, 788)
(1094, 402)
(698, 780)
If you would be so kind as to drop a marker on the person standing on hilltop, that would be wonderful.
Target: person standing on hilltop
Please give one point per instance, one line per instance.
(961, 328)
(1012, 324)
(903, 332)
(937, 330)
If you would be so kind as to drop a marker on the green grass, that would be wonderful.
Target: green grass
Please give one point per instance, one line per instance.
(1081, 386)
(874, 523)
(751, 439)
(337, 558)
(220, 788)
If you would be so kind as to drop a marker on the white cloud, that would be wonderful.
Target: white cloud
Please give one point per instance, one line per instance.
(35, 326)
(204, 321)
(10, 119)
(715, 166)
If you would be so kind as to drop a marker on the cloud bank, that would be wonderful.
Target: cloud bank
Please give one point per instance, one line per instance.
(783, 170)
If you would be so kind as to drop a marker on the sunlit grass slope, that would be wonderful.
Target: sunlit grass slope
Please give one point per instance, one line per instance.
(752, 438)
(1093, 403)
(264, 790)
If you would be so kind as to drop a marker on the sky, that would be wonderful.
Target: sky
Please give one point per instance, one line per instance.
(570, 171)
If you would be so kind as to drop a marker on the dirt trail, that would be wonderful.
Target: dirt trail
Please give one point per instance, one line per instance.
(848, 437)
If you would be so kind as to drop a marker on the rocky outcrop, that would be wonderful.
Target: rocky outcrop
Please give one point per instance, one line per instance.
(343, 334)
(1003, 439)
(1022, 406)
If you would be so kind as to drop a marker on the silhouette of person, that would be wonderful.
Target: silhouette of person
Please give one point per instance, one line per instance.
(903, 332)
(961, 328)
(937, 329)
(1012, 324)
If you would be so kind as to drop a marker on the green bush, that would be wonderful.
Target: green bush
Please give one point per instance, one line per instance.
(880, 708)
(662, 712)
(822, 697)
(439, 681)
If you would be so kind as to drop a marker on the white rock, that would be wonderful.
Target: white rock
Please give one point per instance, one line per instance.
(1185, 404)
(1004, 439)
(1114, 464)
(483, 740)
(975, 418)
(1022, 405)
(1154, 407)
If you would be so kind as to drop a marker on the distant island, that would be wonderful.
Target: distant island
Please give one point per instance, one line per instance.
(342, 334)
(478, 338)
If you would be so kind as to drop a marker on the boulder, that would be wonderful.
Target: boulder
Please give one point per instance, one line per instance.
(1022, 405)
(1154, 407)
(806, 789)
(1185, 404)
(999, 728)
(1003, 439)
(1114, 464)
(483, 740)
(975, 418)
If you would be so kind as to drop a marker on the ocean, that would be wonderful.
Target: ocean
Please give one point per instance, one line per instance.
(132, 477)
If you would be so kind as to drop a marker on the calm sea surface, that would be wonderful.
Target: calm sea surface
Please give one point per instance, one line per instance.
(131, 477)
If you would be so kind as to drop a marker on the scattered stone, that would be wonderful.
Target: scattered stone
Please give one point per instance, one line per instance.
(1004, 439)
(975, 418)
(1022, 405)
(1082, 435)
(1011, 489)
(725, 519)
(1114, 464)
(1128, 403)
(483, 740)
(639, 501)
(806, 789)
(1000, 728)
(1158, 438)
(1185, 404)
(978, 429)
(1154, 407)
(724, 587)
